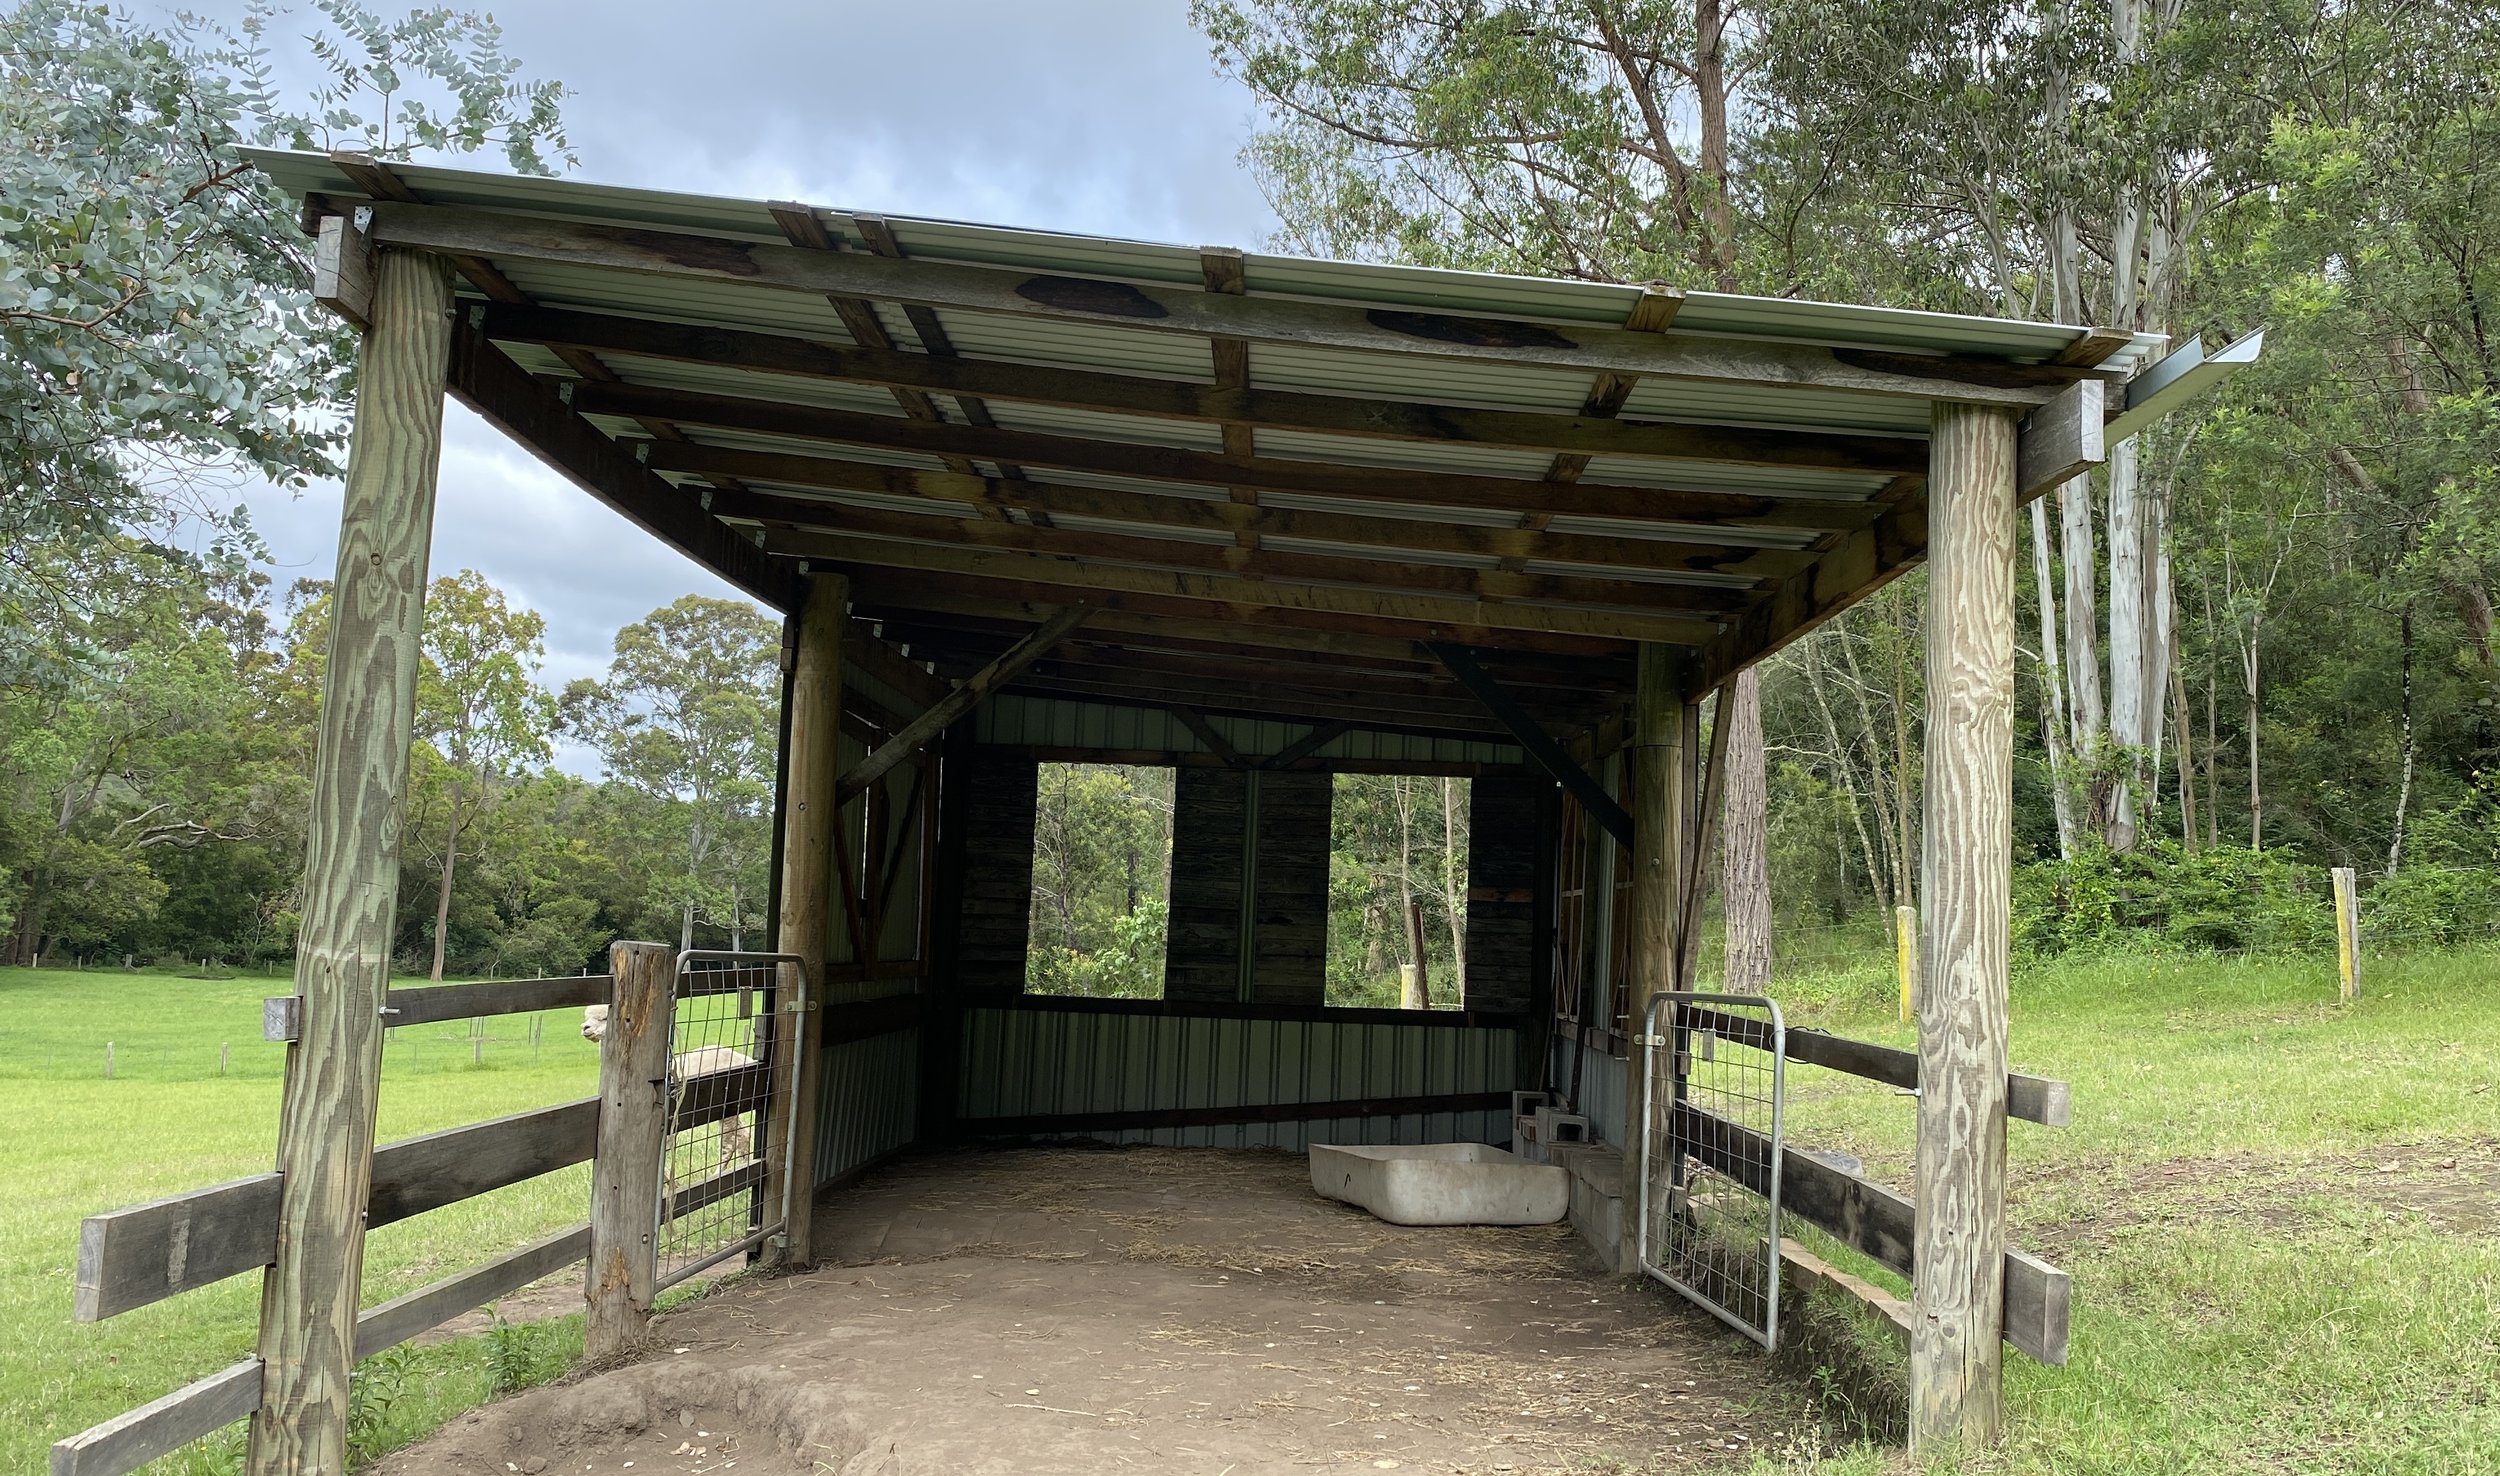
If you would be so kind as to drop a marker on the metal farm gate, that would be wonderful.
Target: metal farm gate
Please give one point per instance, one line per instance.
(1713, 1066)
(726, 1129)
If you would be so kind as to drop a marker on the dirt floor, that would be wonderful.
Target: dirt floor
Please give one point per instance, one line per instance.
(1084, 1310)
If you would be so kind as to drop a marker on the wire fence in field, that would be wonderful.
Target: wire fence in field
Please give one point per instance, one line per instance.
(174, 1051)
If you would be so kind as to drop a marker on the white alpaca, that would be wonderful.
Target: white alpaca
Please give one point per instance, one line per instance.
(735, 1144)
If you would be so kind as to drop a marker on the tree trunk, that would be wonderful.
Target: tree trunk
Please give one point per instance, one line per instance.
(2256, 794)
(2126, 644)
(1744, 839)
(2183, 720)
(442, 891)
(685, 927)
(2052, 684)
(2404, 783)
(1454, 886)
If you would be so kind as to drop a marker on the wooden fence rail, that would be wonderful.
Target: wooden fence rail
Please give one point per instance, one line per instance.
(436, 1003)
(2039, 1099)
(1882, 1224)
(146, 1253)
(202, 1408)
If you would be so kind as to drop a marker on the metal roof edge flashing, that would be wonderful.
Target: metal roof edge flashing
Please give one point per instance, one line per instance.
(2179, 377)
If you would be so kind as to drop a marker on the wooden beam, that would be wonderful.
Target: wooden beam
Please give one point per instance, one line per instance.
(1230, 401)
(343, 270)
(1196, 609)
(1655, 761)
(1965, 870)
(1708, 809)
(537, 419)
(1383, 571)
(1541, 747)
(2061, 439)
(1443, 615)
(1205, 733)
(966, 696)
(864, 651)
(1276, 474)
(429, 1307)
(1306, 745)
(1290, 706)
(811, 833)
(351, 873)
(1310, 702)
(1048, 501)
(625, 1182)
(1856, 566)
(1180, 632)
(1052, 753)
(512, 237)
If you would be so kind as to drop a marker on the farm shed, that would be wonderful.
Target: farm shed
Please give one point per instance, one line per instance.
(1028, 497)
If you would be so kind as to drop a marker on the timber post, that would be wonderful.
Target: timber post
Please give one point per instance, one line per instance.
(1965, 878)
(2347, 932)
(812, 820)
(1656, 771)
(351, 874)
(625, 1173)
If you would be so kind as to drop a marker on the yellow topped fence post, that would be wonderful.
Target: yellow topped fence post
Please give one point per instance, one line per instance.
(1905, 953)
(2348, 931)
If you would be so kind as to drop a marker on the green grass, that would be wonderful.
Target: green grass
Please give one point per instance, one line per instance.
(2277, 1209)
(167, 1122)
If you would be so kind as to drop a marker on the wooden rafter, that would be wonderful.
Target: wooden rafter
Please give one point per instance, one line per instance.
(508, 236)
(1653, 313)
(1204, 731)
(1306, 707)
(993, 584)
(1541, 745)
(1202, 515)
(1230, 401)
(1352, 570)
(1857, 566)
(1431, 612)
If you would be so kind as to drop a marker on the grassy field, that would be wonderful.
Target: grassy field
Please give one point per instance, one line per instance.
(2279, 1210)
(166, 1122)
(2282, 1213)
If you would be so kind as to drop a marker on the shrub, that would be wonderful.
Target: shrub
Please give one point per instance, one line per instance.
(2223, 900)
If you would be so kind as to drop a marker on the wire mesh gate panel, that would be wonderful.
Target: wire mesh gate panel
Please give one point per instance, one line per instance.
(1715, 1069)
(726, 1128)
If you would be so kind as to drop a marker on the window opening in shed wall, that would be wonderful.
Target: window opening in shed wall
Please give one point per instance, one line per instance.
(1102, 867)
(1397, 838)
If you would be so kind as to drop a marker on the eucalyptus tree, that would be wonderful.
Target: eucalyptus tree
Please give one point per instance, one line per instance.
(158, 337)
(686, 718)
(482, 715)
(1601, 140)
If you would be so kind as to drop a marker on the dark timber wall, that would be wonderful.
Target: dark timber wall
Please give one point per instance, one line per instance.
(1202, 954)
(1502, 880)
(1281, 841)
(998, 872)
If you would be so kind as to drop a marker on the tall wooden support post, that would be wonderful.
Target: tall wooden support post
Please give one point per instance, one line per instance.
(807, 871)
(351, 875)
(625, 1176)
(1656, 766)
(1965, 875)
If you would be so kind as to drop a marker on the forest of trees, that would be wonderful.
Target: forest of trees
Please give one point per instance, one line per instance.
(2258, 643)
(2261, 638)
(153, 776)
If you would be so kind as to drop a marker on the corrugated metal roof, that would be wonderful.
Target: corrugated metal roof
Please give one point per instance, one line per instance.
(1388, 396)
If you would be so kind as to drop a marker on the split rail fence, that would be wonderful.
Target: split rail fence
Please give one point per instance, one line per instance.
(135, 1257)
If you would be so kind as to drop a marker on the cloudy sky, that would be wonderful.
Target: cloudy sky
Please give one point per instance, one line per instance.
(1098, 116)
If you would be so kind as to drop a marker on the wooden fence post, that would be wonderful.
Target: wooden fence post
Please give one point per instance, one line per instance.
(811, 820)
(351, 875)
(1965, 885)
(2348, 931)
(625, 1174)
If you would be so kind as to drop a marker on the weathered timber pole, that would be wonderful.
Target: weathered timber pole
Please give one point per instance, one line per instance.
(811, 826)
(623, 1273)
(1654, 763)
(351, 875)
(1965, 875)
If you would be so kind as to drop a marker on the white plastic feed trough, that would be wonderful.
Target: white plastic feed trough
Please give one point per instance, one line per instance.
(1442, 1183)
